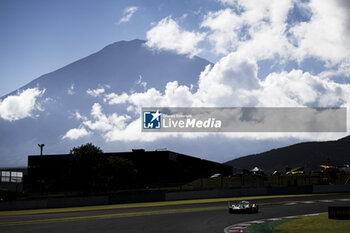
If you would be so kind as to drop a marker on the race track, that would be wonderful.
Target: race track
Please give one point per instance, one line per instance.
(203, 218)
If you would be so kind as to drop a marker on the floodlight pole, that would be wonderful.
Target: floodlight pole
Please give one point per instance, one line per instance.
(41, 148)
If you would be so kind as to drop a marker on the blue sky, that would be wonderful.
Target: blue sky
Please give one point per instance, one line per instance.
(39, 36)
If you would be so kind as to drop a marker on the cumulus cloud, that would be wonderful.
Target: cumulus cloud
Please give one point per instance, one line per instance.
(255, 28)
(132, 132)
(175, 95)
(22, 105)
(233, 82)
(218, 85)
(264, 29)
(224, 25)
(285, 89)
(97, 122)
(232, 76)
(326, 35)
(128, 13)
(103, 122)
(298, 88)
(78, 116)
(243, 33)
(96, 92)
(113, 98)
(76, 133)
(168, 35)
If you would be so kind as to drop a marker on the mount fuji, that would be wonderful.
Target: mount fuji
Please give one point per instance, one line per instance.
(68, 93)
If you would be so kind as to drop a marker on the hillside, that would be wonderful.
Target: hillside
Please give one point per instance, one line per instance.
(121, 67)
(308, 154)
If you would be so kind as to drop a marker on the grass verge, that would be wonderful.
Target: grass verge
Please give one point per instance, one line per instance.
(314, 224)
(266, 227)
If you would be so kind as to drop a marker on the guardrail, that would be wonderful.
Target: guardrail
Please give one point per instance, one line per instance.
(146, 196)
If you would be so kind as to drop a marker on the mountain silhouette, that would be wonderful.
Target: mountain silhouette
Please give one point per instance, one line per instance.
(307, 154)
(117, 68)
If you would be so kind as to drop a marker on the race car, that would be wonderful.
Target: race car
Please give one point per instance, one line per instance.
(243, 207)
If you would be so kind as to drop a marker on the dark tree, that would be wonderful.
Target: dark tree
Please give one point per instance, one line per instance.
(87, 167)
(86, 150)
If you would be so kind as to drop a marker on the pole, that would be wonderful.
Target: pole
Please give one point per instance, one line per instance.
(41, 148)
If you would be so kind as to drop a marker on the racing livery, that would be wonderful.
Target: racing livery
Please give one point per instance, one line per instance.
(243, 207)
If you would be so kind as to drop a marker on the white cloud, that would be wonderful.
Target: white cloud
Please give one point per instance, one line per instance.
(224, 25)
(96, 92)
(153, 97)
(232, 76)
(244, 33)
(99, 122)
(233, 82)
(256, 31)
(141, 83)
(261, 30)
(70, 90)
(78, 116)
(113, 98)
(22, 105)
(76, 133)
(105, 122)
(228, 2)
(132, 132)
(184, 16)
(128, 13)
(326, 36)
(298, 88)
(342, 70)
(168, 35)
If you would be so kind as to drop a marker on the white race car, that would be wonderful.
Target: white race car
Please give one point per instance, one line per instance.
(243, 207)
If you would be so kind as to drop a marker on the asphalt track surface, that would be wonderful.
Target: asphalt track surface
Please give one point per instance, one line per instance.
(193, 218)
